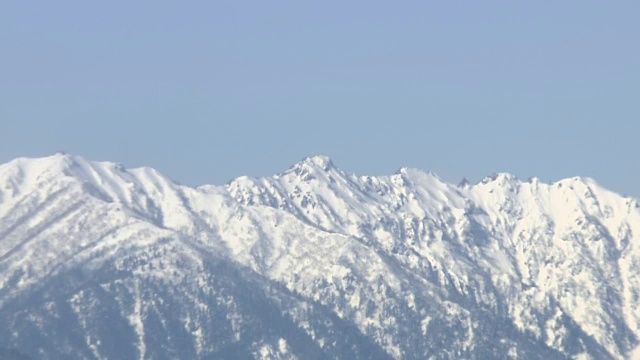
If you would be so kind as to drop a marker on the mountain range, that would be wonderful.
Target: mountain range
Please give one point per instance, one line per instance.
(98, 261)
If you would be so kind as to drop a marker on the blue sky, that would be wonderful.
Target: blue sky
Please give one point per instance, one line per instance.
(206, 91)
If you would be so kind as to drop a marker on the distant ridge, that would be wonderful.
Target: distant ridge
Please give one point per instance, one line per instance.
(98, 261)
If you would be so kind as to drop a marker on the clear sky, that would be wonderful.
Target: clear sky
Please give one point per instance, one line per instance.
(206, 91)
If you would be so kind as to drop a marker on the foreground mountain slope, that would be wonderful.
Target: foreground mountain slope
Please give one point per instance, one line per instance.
(99, 262)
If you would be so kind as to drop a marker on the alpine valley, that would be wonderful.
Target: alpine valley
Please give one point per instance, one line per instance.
(102, 262)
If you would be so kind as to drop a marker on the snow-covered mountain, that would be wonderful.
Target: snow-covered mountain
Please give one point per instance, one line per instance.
(102, 262)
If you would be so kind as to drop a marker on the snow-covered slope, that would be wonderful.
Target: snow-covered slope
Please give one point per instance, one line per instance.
(102, 262)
